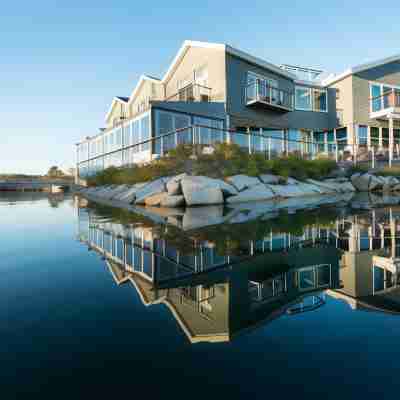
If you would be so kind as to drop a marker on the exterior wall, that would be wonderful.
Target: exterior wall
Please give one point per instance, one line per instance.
(117, 111)
(261, 117)
(149, 91)
(344, 98)
(354, 95)
(196, 57)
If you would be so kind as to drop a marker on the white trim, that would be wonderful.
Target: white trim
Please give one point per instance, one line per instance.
(114, 101)
(359, 68)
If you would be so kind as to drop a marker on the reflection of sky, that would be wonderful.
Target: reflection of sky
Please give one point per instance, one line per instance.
(60, 311)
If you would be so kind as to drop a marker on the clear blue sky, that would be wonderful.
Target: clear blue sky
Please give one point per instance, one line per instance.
(61, 62)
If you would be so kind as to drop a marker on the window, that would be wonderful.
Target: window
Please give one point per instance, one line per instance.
(376, 104)
(374, 136)
(311, 99)
(320, 101)
(303, 99)
(362, 135)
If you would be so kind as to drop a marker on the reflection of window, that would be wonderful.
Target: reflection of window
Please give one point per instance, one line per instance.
(303, 99)
(376, 99)
(311, 99)
(319, 100)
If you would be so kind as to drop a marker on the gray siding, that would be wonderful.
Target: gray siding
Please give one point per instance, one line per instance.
(242, 115)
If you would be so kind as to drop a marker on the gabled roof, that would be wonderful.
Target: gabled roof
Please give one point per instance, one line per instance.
(224, 47)
(116, 99)
(359, 68)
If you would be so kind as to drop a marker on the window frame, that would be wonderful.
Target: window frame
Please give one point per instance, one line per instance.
(311, 91)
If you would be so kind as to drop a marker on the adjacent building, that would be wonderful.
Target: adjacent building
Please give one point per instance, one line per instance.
(216, 93)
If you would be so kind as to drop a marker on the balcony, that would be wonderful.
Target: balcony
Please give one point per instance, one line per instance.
(193, 92)
(260, 93)
(388, 104)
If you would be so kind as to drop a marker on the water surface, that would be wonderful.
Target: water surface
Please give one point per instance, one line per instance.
(96, 301)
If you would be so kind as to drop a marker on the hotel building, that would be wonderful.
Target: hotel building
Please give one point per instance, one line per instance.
(216, 93)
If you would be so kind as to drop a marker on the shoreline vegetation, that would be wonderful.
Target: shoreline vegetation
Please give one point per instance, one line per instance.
(225, 160)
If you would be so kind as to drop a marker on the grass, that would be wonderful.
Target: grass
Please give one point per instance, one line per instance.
(390, 171)
(226, 160)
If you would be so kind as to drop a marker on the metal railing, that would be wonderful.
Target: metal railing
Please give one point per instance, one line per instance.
(389, 99)
(192, 92)
(270, 144)
(260, 91)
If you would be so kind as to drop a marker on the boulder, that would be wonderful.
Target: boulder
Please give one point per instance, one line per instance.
(226, 188)
(155, 199)
(254, 193)
(297, 190)
(174, 185)
(292, 181)
(241, 182)
(327, 187)
(200, 190)
(198, 217)
(271, 179)
(390, 182)
(129, 195)
(376, 183)
(152, 188)
(172, 201)
(361, 181)
(205, 196)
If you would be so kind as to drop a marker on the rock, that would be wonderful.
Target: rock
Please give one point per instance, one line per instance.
(205, 196)
(199, 217)
(254, 193)
(376, 183)
(390, 182)
(111, 193)
(328, 187)
(361, 181)
(292, 181)
(271, 179)
(200, 190)
(129, 195)
(172, 201)
(241, 182)
(174, 185)
(226, 188)
(152, 188)
(155, 199)
(297, 190)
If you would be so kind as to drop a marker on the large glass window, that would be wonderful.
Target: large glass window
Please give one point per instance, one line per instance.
(311, 99)
(210, 135)
(320, 100)
(303, 98)
(168, 122)
(376, 92)
(145, 132)
(362, 135)
(374, 136)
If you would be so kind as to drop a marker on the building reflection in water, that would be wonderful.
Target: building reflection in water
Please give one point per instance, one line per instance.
(215, 296)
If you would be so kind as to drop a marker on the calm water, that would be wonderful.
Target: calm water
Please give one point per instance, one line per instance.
(95, 301)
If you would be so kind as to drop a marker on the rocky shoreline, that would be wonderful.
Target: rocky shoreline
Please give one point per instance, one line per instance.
(194, 201)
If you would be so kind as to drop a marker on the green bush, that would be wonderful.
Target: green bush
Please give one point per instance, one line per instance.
(226, 160)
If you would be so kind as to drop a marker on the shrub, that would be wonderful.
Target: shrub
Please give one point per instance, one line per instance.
(226, 160)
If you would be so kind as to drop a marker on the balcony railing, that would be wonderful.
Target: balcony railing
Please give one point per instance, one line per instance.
(260, 92)
(193, 92)
(388, 100)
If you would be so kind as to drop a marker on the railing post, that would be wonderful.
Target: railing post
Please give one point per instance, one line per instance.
(336, 151)
(162, 146)
(249, 139)
(373, 156)
(269, 147)
(176, 139)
